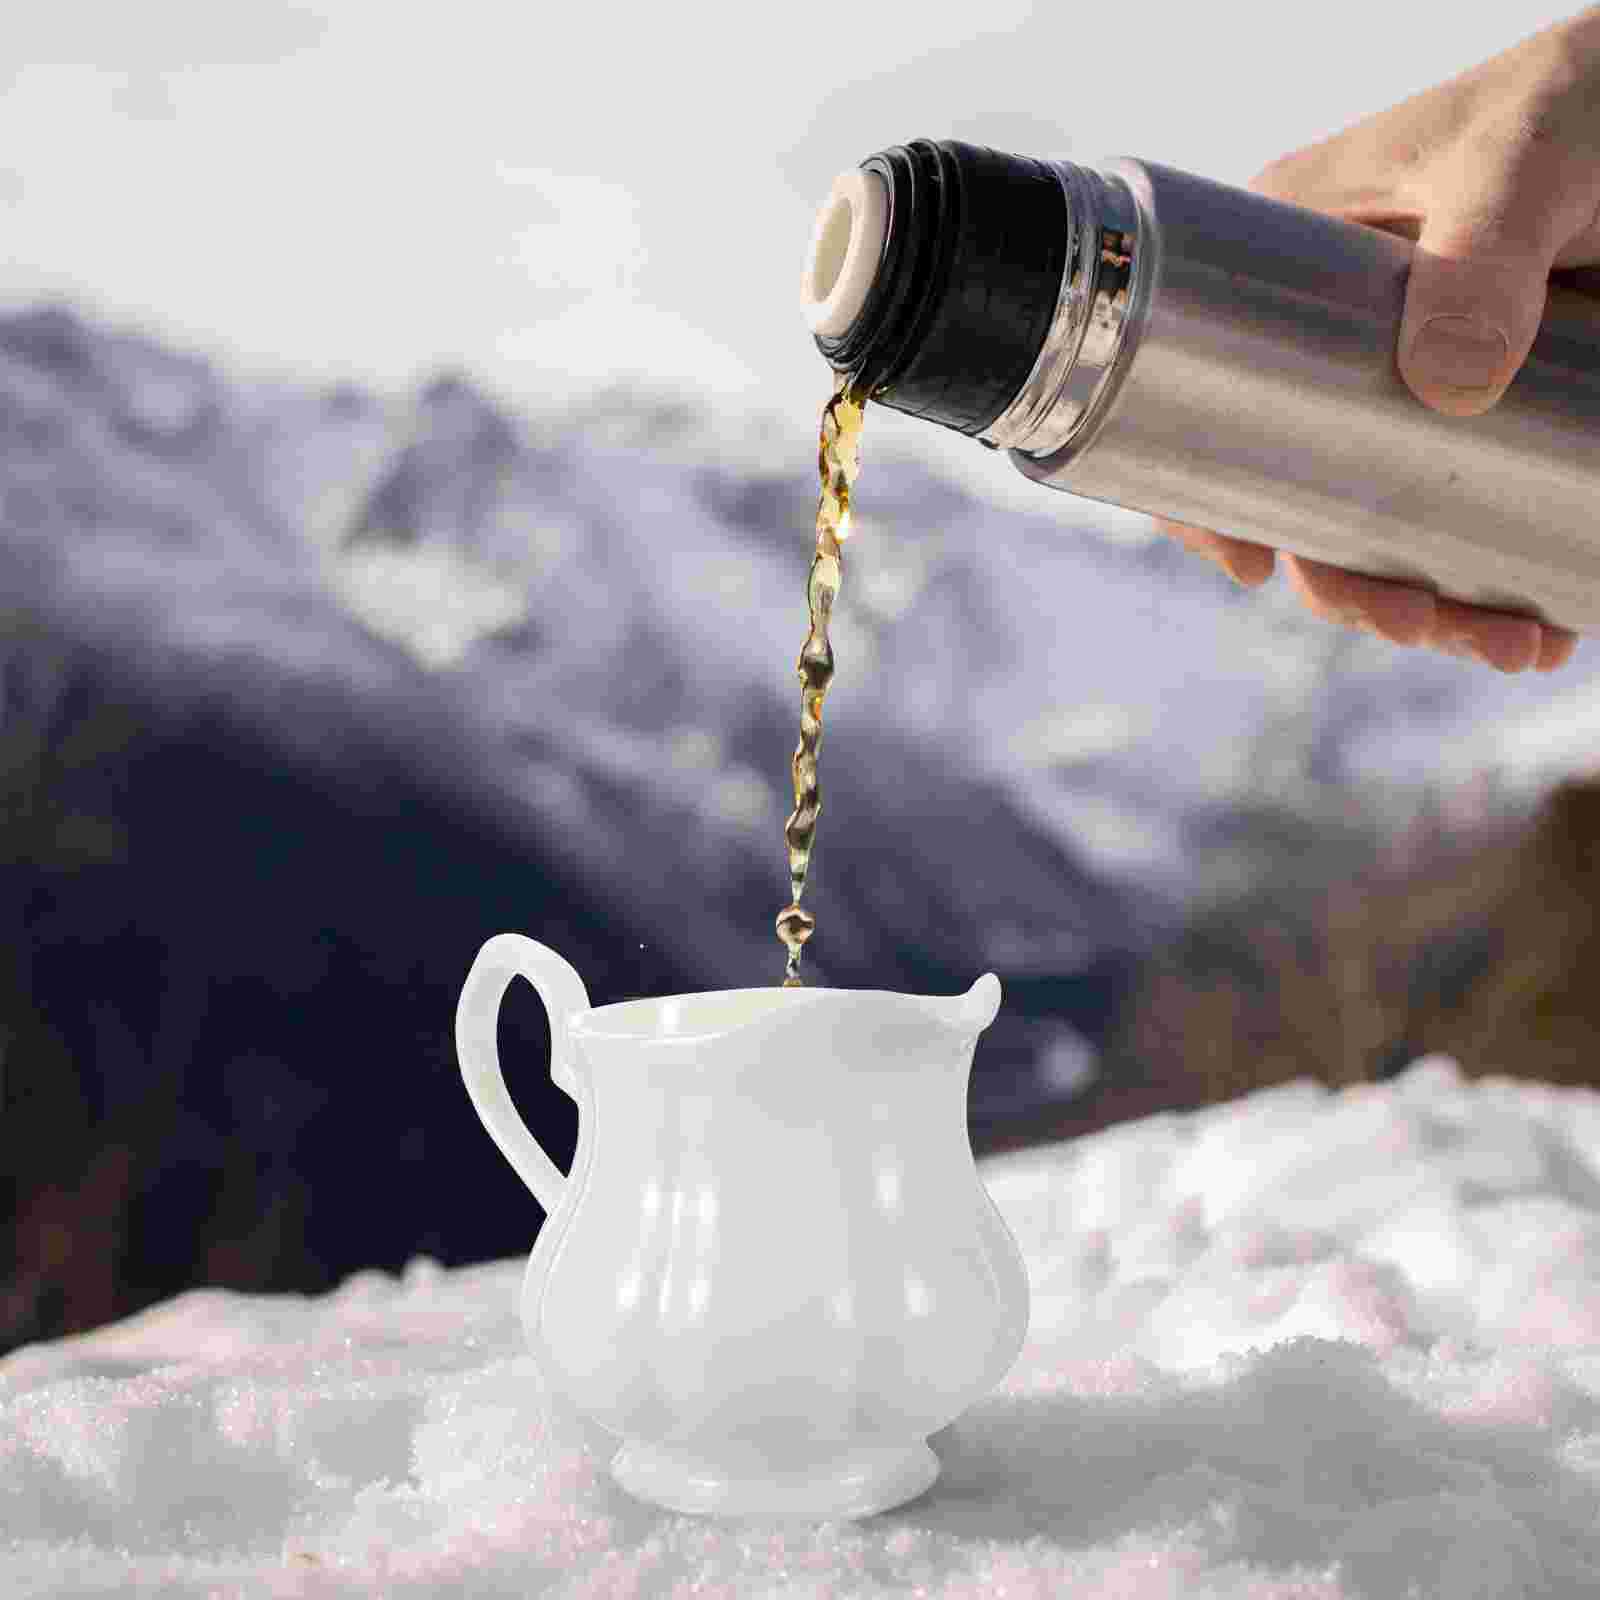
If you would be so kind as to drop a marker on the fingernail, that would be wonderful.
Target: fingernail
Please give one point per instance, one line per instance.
(1463, 352)
(1555, 654)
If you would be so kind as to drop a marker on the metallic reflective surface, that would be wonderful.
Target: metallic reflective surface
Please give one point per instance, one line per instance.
(1238, 373)
(1076, 365)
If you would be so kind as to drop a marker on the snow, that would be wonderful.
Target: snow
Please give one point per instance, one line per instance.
(1304, 1344)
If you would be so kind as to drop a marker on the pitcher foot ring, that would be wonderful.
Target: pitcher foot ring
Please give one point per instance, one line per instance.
(859, 1483)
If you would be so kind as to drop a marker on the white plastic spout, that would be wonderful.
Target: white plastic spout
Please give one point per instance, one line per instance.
(846, 247)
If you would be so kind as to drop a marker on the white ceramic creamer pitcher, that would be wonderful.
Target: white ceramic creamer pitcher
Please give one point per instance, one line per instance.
(773, 1270)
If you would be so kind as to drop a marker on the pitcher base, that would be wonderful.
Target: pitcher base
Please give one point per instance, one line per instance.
(858, 1484)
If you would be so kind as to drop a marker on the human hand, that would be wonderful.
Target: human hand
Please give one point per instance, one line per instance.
(1496, 175)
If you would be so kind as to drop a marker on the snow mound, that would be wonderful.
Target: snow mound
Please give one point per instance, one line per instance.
(1305, 1344)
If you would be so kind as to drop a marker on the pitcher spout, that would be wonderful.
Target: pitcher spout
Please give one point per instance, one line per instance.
(973, 1011)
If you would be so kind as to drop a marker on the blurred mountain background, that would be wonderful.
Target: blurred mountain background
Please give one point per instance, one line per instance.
(307, 691)
(406, 490)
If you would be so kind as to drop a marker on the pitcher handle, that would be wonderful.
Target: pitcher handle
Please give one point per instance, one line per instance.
(504, 957)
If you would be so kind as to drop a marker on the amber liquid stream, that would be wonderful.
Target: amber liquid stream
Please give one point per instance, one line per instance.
(838, 462)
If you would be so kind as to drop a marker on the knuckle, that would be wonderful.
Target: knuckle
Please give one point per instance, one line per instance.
(1538, 123)
(1506, 202)
(1406, 153)
(1369, 175)
(1274, 181)
(1290, 176)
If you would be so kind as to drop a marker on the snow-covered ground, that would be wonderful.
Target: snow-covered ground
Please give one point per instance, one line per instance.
(1303, 1344)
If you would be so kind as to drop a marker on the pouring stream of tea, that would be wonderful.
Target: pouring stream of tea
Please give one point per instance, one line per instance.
(838, 462)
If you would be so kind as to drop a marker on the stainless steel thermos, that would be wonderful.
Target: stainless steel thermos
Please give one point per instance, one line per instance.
(1138, 335)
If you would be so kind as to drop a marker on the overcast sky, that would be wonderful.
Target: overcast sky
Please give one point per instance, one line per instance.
(550, 194)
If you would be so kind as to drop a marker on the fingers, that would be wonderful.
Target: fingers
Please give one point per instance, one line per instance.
(1494, 176)
(1467, 328)
(1504, 207)
(1505, 212)
(1506, 642)
(1246, 563)
(1409, 616)
(1396, 611)
(1555, 649)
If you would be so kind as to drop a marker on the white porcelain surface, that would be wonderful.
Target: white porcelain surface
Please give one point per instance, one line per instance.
(773, 1270)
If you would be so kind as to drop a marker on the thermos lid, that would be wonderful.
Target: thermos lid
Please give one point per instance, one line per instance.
(933, 276)
(846, 246)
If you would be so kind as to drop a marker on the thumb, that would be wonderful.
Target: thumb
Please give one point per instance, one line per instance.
(1476, 294)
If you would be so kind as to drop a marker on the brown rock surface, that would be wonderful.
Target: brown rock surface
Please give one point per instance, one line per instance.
(1485, 950)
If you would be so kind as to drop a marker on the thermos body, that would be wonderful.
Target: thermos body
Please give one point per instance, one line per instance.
(1142, 336)
(1255, 392)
